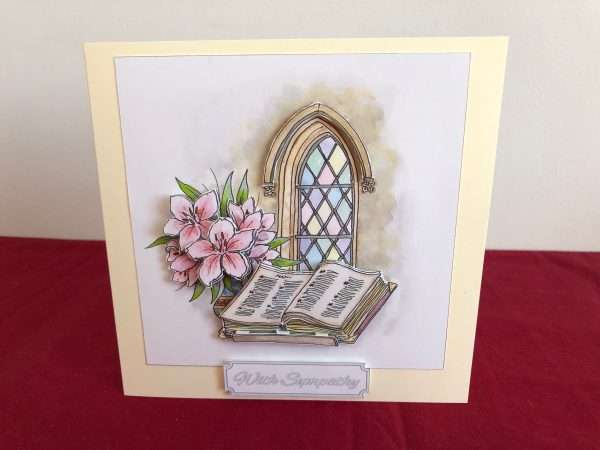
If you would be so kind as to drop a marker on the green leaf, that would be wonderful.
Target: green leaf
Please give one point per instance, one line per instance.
(278, 242)
(198, 290)
(215, 289)
(284, 262)
(243, 191)
(161, 240)
(227, 283)
(190, 191)
(226, 197)
(217, 185)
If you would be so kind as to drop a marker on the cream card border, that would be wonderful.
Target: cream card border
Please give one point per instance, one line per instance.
(450, 384)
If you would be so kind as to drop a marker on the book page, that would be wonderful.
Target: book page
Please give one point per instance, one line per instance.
(266, 296)
(333, 292)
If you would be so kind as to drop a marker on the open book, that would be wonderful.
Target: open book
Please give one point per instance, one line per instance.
(329, 306)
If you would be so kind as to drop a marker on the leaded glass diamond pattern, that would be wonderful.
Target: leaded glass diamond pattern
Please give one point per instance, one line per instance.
(327, 164)
(331, 215)
(314, 251)
(325, 194)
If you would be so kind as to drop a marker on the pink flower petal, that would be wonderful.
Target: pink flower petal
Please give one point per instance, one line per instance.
(201, 249)
(172, 249)
(271, 254)
(206, 206)
(251, 222)
(258, 251)
(189, 235)
(249, 206)
(235, 264)
(182, 263)
(193, 275)
(264, 237)
(267, 221)
(172, 253)
(240, 241)
(210, 269)
(205, 228)
(180, 277)
(236, 213)
(180, 207)
(222, 229)
(174, 226)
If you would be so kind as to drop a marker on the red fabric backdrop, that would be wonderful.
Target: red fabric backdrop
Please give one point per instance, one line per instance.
(535, 381)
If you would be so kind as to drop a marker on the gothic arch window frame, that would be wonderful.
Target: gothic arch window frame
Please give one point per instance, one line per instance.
(287, 153)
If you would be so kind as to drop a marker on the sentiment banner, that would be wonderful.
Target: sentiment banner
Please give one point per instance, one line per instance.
(296, 379)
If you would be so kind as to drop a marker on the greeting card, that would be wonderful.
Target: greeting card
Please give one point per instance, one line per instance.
(313, 210)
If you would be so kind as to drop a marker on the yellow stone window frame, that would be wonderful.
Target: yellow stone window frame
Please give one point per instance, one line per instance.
(286, 155)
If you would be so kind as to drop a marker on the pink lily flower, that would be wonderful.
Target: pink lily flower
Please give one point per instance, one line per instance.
(247, 217)
(262, 253)
(264, 237)
(191, 221)
(263, 233)
(239, 212)
(222, 252)
(184, 268)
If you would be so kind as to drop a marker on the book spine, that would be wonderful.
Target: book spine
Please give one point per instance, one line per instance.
(391, 287)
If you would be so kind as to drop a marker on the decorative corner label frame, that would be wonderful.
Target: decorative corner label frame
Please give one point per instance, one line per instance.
(294, 379)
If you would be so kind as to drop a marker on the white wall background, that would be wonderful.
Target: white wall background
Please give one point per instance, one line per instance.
(547, 191)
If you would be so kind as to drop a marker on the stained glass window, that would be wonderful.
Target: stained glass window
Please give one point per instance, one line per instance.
(325, 199)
